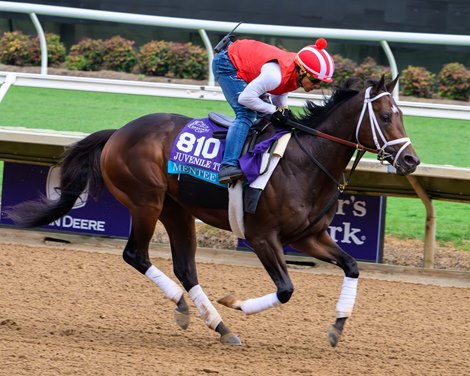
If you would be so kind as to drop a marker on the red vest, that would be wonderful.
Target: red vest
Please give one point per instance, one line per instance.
(248, 56)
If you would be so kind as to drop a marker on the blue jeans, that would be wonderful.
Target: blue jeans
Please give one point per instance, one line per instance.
(226, 75)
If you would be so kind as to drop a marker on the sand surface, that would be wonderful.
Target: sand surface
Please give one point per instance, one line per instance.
(66, 311)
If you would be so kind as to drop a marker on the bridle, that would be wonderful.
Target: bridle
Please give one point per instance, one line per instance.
(376, 131)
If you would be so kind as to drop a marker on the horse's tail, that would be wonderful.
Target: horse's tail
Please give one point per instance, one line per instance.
(80, 167)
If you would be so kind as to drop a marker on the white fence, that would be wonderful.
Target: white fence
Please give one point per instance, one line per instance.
(383, 37)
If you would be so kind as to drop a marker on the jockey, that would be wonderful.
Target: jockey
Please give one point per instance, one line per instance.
(246, 70)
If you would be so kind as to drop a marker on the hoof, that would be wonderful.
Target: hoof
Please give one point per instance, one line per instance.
(230, 339)
(230, 301)
(334, 335)
(182, 319)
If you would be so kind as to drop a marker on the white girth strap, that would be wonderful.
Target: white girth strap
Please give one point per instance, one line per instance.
(375, 128)
(235, 191)
(235, 209)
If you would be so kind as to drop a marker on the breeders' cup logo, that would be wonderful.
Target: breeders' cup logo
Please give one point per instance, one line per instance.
(53, 190)
(199, 126)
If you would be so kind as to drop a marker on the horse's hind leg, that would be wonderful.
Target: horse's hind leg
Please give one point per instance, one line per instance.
(270, 253)
(180, 226)
(322, 247)
(136, 254)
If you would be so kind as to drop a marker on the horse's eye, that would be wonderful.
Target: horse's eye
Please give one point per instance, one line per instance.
(386, 118)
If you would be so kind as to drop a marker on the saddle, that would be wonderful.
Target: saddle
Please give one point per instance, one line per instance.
(258, 128)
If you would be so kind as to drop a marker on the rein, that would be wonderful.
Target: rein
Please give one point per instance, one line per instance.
(315, 132)
(341, 186)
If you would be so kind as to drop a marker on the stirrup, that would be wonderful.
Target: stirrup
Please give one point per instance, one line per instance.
(229, 174)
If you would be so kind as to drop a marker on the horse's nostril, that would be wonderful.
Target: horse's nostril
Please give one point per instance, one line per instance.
(411, 160)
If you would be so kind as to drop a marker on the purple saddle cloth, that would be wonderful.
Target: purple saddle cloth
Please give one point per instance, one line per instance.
(197, 153)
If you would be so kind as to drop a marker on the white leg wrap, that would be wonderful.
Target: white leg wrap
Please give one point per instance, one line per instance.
(347, 297)
(260, 304)
(206, 309)
(170, 288)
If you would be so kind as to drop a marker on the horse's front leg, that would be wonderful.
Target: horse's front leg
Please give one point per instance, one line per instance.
(322, 247)
(271, 255)
(136, 254)
(180, 226)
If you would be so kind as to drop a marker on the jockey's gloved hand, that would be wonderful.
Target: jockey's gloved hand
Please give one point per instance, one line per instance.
(281, 116)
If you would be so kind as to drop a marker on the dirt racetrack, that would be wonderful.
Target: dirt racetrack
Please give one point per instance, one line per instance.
(67, 311)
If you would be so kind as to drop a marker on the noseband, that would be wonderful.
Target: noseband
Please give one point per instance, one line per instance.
(376, 130)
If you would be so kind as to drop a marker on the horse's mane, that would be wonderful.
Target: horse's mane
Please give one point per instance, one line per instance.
(314, 114)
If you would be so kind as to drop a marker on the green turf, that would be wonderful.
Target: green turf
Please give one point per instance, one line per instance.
(69, 110)
(437, 141)
(440, 142)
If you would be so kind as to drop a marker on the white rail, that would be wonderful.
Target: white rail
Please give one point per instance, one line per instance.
(195, 92)
(383, 37)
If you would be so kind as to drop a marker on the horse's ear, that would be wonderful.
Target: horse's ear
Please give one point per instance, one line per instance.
(391, 85)
(379, 86)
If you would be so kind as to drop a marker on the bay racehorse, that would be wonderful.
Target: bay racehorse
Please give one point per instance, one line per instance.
(295, 208)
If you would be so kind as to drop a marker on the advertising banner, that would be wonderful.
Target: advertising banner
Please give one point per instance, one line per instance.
(358, 227)
(104, 216)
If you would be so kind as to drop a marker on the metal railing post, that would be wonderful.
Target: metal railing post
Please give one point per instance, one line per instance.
(210, 55)
(393, 66)
(42, 42)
